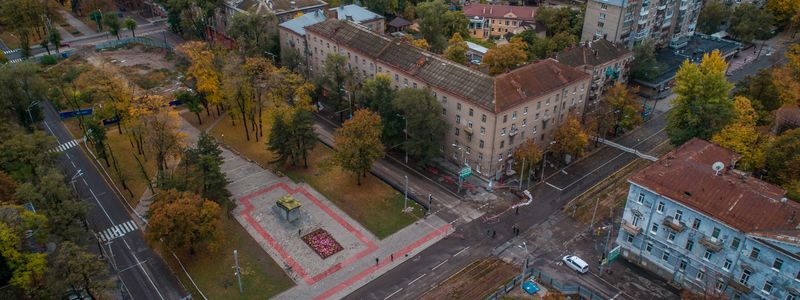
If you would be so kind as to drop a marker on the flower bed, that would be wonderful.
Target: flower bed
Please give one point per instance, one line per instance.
(322, 242)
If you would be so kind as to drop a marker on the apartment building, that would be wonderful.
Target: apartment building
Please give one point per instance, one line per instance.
(487, 115)
(608, 63)
(697, 222)
(632, 21)
(284, 10)
(487, 20)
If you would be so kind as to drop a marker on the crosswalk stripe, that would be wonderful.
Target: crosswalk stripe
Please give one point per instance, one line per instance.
(133, 225)
(127, 227)
(116, 231)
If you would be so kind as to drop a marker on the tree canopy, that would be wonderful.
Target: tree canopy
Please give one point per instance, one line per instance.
(426, 128)
(645, 66)
(456, 49)
(358, 143)
(432, 23)
(184, 221)
(528, 153)
(506, 57)
(712, 16)
(749, 23)
(742, 137)
(570, 138)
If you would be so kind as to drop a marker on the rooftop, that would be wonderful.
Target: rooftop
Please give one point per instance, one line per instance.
(525, 13)
(477, 48)
(750, 205)
(275, 6)
(356, 13)
(492, 93)
(696, 45)
(399, 22)
(592, 53)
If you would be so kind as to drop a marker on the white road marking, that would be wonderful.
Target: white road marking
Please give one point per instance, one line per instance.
(440, 264)
(148, 276)
(392, 294)
(117, 231)
(415, 280)
(553, 186)
(462, 250)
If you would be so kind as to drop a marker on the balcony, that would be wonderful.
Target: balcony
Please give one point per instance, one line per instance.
(662, 7)
(644, 12)
(674, 224)
(744, 288)
(512, 132)
(666, 23)
(468, 130)
(640, 35)
(630, 228)
(642, 21)
(711, 243)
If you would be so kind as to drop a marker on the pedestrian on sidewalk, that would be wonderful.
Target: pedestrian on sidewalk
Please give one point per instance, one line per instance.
(377, 260)
(494, 233)
(391, 257)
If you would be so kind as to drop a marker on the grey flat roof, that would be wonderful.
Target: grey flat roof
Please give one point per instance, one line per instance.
(698, 45)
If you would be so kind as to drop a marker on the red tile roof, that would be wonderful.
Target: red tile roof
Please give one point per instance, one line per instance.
(524, 13)
(684, 175)
(533, 80)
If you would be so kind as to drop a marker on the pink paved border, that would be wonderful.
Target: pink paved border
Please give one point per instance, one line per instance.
(288, 258)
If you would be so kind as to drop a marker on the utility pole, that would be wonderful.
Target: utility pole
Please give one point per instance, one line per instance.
(525, 261)
(405, 194)
(596, 201)
(238, 270)
(405, 133)
(521, 172)
(30, 106)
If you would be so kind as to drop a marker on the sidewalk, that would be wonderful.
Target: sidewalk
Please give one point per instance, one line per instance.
(77, 24)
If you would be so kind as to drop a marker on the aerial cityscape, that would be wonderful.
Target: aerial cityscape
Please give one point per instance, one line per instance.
(400, 149)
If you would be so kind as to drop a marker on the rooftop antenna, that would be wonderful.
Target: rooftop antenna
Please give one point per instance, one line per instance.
(717, 167)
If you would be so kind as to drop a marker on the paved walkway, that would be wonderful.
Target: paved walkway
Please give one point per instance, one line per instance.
(77, 24)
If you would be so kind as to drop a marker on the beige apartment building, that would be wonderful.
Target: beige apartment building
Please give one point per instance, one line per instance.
(486, 20)
(488, 116)
(608, 63)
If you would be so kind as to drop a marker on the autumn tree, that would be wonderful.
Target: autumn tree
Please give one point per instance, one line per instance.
(8, 187)
(506, 57)
(742, 137)
(712, 16)
(421, 43)
(454, 22)
(80, 269)
(377, 94)
(20, 85)
(528, 154)
(456, 49)
(202, 72)
(702, 106)
(431, 23)
(783, 159)
(237, 92)
(159, 133)
(786, 12)
(646, 66)
(426, 129)
(619, 107)
(562, 19)
(254, 33)
(787, 77)
(749, 23)
(51, 195)
(763, 93)
(570, 138)
(26, 268)
(184, 221)
(383, 7)
(113, 24)
(358, 143)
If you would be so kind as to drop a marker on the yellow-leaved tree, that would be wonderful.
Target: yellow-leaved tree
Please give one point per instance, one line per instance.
(203, 72)
(742, 137)
(570, 138)
(506, 57)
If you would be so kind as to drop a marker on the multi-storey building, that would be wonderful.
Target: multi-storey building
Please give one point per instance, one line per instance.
(694, 220)
(487, 115)
(607, 62)
(283, 9)
(632, 21)
(486, 20)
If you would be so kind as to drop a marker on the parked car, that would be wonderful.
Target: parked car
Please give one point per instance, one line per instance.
(575, 263)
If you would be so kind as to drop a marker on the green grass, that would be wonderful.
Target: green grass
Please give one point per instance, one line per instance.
(374, 204)
(262, 278)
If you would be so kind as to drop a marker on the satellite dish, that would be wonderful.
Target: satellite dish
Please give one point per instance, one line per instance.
(718, 166)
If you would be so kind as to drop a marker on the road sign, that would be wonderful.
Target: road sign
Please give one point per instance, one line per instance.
(612, 255)
(465, 172)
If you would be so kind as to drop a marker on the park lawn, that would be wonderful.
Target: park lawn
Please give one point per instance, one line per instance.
(375, 205)
(124, 154)
(262, 277)
(206, 119)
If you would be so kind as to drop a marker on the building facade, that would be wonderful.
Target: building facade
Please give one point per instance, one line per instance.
(284, 10)
(631, 22)
(487, 115)
(487, 20)
(608, 63)
(713, 230)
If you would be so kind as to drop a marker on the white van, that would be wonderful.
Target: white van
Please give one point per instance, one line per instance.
(575, 263)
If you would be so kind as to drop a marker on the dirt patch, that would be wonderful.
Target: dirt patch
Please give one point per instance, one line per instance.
(149, 68)
(475, 281)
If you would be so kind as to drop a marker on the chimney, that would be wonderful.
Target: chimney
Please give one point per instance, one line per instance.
(332, 14)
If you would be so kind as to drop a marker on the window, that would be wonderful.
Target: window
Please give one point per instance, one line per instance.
(534, 128)
(539, 104)
(777, 264)
(660, 208)
(469, 124)
(444, 99)
(715, 233)
(505, 118)
(480, 156)
(719, 285)
(458, 106)
(483, 118)
(524, 122)
(640, 199)
(665, 256)
(708, 255)
(767, 287)
(727, 265)
(468, 150)
(654, 228)
(457, 131)
(500, 157)
(415, 85)
(601, 16)
(525, 110)
(636, 220)
(696, 223)
(480, 144)
(678, 214)
(629, 238)
(689, 245)
(458, 119)
(396, 78)
(502, 144)
(405, 81)
(735, 243)
(444, 111)
(745, 277)
(514, 115)
(470, 112)
(754, 253)
(649, 247)
(537, 116)
(701, 275)
(503, 131)
(670, 236)
(603, 6)
(600, 24)
(682, 266)
(483, 130)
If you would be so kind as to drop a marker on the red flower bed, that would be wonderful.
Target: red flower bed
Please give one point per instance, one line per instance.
(322, 242)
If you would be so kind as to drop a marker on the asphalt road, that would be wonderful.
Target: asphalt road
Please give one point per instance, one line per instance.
(143, 273)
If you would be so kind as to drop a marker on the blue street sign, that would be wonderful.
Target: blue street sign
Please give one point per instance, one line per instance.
(75, 113)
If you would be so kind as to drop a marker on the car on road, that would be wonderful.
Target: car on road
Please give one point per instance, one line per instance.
(575, 263)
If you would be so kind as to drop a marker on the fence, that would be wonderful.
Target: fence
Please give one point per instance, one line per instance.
(132, 40)
(548, 281)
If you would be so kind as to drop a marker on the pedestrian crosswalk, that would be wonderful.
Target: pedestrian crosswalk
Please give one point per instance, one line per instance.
(116, 231)
(7, 52)
(16, 60)
(66, 146)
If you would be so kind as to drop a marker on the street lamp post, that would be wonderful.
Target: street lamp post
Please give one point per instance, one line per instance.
(521, 173)
(405, 134)
(544, 158)
(525, 261)
(405, 194)
(30, 106)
